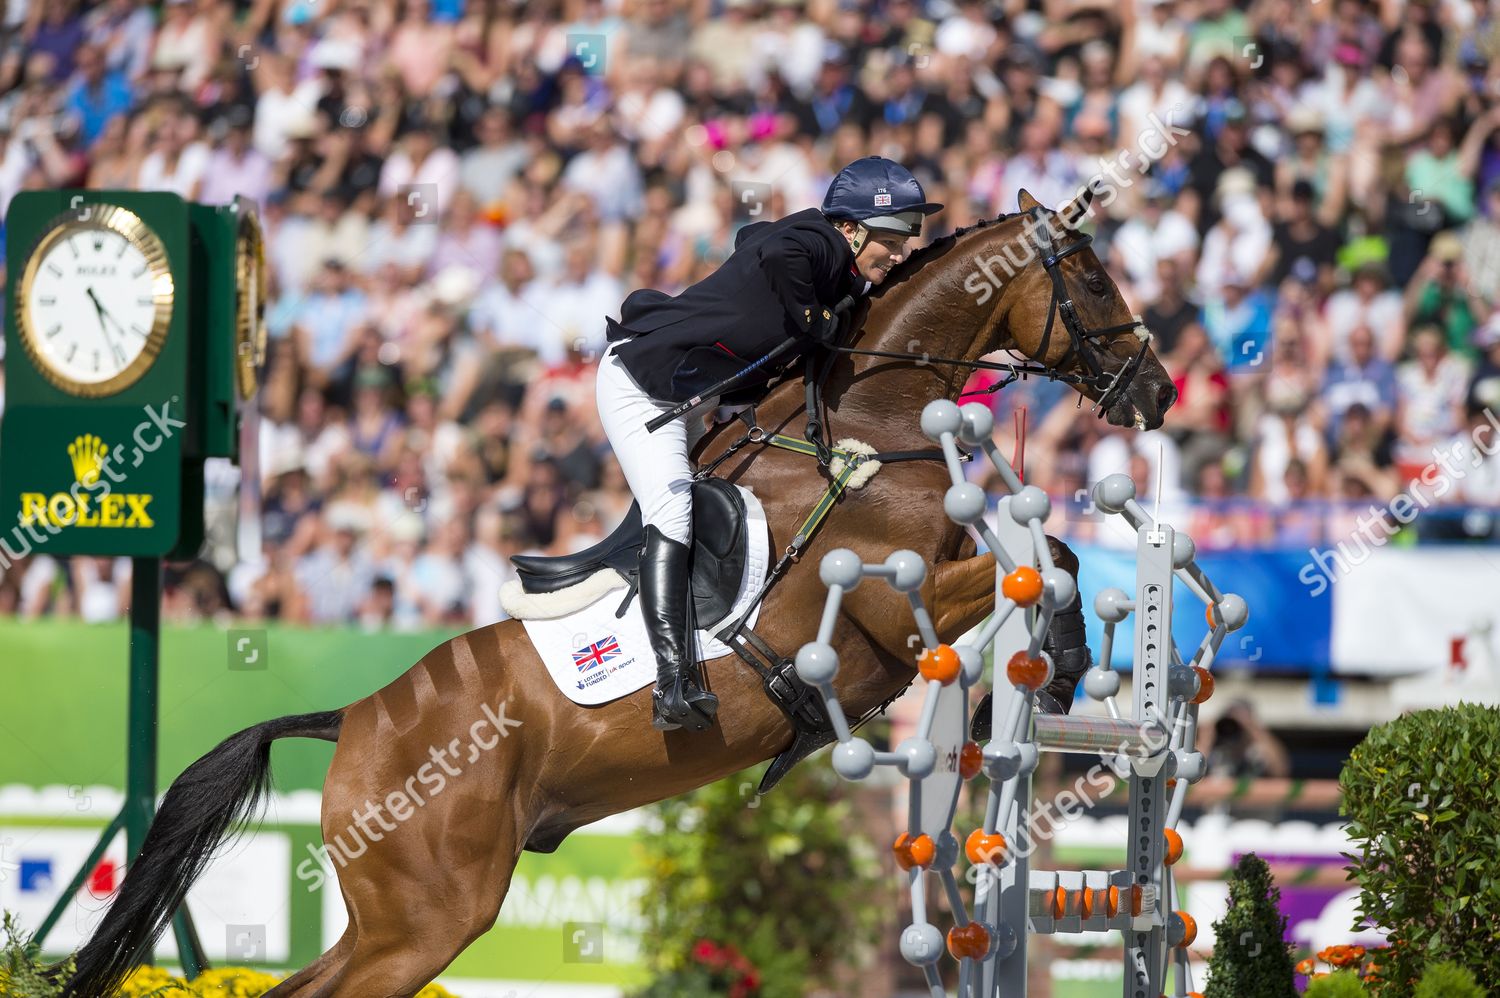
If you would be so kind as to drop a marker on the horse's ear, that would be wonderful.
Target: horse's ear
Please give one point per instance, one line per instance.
(1026, 202)
(1077, 208)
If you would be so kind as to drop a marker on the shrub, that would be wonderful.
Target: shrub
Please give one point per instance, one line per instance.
(1446, 979)
(1339, 984)
(787, 879)
(1251, 956)
(1422, 797)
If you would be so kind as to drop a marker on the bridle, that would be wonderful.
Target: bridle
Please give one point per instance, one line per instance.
(1109, 385)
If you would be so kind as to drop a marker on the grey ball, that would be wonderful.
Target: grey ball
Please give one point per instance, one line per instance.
(978, 424)
(971, 664)
(922, 945)
(817, 663)
(940, 416)
(1031, 503)
(1100, 683)
(1112, 605)
(1061, 585)
(1183, 550)
(918, 757)
(1234, 611)
(1111, 494)
(908, 570)
(1182, 683)
(854, 759)
(965, 503)
(840, 567)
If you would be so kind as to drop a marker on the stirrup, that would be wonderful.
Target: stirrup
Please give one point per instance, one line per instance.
(696, 712)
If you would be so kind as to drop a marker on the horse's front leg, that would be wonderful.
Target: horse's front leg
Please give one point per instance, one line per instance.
(963, 594)
(1067, 641)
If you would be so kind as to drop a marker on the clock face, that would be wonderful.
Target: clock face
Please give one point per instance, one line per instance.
(95, 301)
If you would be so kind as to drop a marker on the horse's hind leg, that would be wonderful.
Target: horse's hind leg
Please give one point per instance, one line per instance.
(412, 922)
(425, 822)
(309, 982)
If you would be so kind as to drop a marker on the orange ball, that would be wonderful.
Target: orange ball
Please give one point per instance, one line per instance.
(912, 852)
(1189, 930)
(1174, 847)
(972, 941)
(1026, 672)
(940, 663)
(970, 760)
(1059, 900)
(1023, 586)
(1205, 684)
(985, 847)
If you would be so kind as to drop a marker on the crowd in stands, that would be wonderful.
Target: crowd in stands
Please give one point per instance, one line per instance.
(456, 193)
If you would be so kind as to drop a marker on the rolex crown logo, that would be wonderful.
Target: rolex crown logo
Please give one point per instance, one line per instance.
(88, 454)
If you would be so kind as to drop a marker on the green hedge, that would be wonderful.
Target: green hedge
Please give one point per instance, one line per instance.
(1422, 796)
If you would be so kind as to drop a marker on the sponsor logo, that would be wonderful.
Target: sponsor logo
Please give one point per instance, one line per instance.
(76, 507)
(594, 655)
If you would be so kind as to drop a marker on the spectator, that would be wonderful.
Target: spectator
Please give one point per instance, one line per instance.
(1430, 391)
(336, 577)
(1440, 294)
(98, 94)
(1368, 302)
(1365, 380)
(488, 189)
(235, 168)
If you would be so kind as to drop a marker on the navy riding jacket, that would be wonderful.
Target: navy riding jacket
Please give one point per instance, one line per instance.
(775, 285)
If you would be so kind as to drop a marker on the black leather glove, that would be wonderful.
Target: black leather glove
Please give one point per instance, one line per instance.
(825, 327)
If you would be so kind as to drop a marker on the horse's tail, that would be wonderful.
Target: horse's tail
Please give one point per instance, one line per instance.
(222, 789)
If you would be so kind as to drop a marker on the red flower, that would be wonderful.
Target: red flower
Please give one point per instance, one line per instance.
(707, 952)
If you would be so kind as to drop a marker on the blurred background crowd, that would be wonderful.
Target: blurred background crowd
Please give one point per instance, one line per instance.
(457, 193)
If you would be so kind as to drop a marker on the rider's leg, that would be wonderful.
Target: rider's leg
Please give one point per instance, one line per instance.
(657, 468)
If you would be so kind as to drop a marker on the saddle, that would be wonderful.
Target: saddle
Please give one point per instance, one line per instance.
(720, 550)
(719, 556)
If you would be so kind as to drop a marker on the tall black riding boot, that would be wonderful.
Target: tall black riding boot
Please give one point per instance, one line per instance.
(665, 591)
(1067, 644)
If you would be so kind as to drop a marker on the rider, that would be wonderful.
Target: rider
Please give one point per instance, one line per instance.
(782, 281)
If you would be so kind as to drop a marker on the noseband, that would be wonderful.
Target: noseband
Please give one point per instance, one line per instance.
(1109, 385)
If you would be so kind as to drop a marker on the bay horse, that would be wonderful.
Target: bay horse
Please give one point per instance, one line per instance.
(426, 885)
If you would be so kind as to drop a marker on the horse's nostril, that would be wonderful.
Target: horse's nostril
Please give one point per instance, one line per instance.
(1165, 396)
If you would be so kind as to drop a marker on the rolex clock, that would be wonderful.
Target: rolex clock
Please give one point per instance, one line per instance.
(250, 300)
(103, 339)
(95, 301)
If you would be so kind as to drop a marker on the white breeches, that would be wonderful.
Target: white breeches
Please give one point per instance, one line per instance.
(656, 465)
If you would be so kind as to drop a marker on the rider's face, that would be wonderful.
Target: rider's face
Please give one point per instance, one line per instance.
(880, 253)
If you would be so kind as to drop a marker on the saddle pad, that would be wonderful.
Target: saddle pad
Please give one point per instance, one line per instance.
(595, 657)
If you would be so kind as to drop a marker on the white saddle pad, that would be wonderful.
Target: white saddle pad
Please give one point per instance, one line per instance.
(595, 657)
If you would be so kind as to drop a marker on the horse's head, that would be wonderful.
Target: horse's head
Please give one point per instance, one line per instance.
(1063, 310)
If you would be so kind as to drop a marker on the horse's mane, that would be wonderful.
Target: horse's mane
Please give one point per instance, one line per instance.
(921, 254)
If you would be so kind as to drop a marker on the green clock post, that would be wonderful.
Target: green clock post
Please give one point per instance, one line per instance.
(133, 340)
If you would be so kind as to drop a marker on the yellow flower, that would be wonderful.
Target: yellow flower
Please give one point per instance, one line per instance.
(233, 982)
(144, 981)
(435, 991)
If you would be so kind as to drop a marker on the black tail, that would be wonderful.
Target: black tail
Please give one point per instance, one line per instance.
(219, 791)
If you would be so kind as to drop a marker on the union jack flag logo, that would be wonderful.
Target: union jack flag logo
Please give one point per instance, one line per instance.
(596, 654)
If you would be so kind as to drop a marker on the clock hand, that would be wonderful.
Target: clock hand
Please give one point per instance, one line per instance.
(103, 315)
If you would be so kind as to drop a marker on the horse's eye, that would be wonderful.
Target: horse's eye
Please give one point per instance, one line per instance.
(1095, 283)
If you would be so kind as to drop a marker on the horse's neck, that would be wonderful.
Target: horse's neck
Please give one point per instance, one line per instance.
(928, 313)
